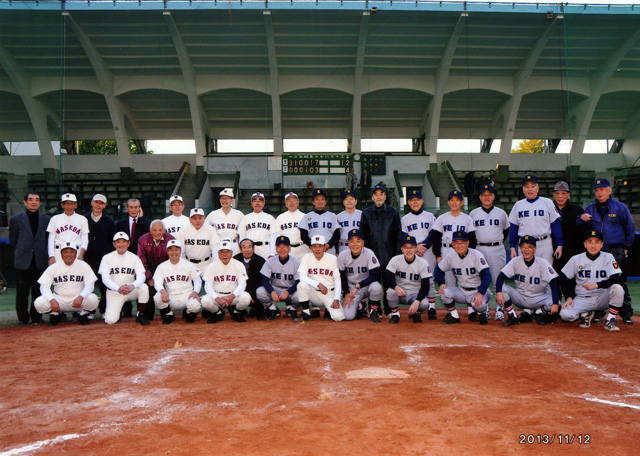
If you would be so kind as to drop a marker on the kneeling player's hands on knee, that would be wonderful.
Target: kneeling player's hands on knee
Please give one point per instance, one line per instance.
(194, 295)
(400, 291)
(164, 296)
(590, 286)
(500, 298)
(413, 308)
(274, 296)
(348, 300)
(284, 295)
(442, 288)
(55, 306)
(336, 304)
(568, 304)
(78, 301)
(477, 299)
(554, 309)
(324, 290)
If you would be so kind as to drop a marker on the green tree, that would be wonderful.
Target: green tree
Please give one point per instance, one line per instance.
(105, 147)
(529, 146)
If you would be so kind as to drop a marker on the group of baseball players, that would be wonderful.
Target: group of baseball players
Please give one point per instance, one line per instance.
(356, 264)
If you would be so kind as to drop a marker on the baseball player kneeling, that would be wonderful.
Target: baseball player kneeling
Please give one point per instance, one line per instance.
(123, 274)
(593, 284)
(360, 275)
(407, 279)
(225, 281)
(72, 282)
(536, 286)
(178, 283)
(280, 281)
(320, 283)
(473, 278)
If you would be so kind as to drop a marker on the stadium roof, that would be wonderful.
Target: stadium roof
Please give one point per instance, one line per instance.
(229, 69)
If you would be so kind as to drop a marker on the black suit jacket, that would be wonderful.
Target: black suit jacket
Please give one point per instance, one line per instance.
(25, 244)
(142, 228)
(253, 272)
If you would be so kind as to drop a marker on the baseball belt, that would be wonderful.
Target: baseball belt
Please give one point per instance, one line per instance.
(199, 261)
(259, 243)
(467, 289)
(489, 244)
(542, 238)
(297, 245)
(447, 245)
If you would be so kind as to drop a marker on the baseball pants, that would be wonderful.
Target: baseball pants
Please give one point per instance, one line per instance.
(598, 300)
(316, 298)
(449, 277)
(179, 301)
(496, 256)
(89, 304)
(537, 302)
(394, 300)
(265, 297)
(373, 291)
(240, 302)
(454, 295)
(115, 301)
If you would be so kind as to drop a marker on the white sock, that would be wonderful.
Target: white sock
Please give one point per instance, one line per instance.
(454, 313)
(611, 316)
(272, 307)
(527, 311)
(307, 311)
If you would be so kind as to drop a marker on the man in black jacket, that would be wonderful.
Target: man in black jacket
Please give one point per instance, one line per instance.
(253, 264)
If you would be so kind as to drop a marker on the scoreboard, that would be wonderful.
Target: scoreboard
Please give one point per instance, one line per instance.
(299, 164)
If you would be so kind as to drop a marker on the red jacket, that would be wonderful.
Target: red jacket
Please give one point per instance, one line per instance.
(151, 254)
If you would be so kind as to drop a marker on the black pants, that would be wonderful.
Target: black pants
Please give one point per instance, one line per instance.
(27, 281)
(621, 259)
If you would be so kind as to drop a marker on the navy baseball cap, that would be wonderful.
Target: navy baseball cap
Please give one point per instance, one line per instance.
(355, 233)
(283, 240)
(528, 239)
(599, 183)
(379, 187)
(456, 194)
(414, 194)
(486, 188)
(349, 193)
(593, 234)
(319, 192)
(460, 236)
(530, 178)
(406, 239)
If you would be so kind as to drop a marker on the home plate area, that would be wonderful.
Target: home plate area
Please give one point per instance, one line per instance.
(319, 388)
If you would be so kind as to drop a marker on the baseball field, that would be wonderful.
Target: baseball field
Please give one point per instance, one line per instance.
(318, 388)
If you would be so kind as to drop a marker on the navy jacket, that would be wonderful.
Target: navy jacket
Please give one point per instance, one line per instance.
(25, 244)
(614, 223)
(382, 232)
(142, 228)
(100, 239)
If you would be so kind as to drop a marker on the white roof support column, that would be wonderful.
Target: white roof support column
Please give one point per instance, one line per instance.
(508, 112)
(36, 109)
(105, 78)
(199, 121)
(358, 76)
(274, 80)
(598, 82)
(430, 124)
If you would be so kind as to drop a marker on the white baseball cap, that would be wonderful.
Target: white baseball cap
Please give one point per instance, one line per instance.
(317, 239)
(120, 235)
(290, 195)
(175, 198)
(68, 197)
(257, 195)
(173, 243)
(196, 211)
(68, 245)
(227, 192)
(99, 197)
(226, 244)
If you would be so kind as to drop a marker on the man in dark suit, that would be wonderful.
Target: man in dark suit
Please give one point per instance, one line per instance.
(253, 264)
(28, 236)
(135, 226)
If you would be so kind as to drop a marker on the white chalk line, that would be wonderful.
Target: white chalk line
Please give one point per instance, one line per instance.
(607, 402)
(37, 445)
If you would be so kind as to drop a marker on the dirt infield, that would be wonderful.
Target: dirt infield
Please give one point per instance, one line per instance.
(318, 388)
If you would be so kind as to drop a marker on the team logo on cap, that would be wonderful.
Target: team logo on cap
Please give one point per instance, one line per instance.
(598, 181)
(282, 238)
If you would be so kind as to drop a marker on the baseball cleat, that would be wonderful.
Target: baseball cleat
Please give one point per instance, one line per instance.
(511, 321)
(53, 320)
(432, 314)
(84, 320)
(525, 317)
(499, 314)
(140, 319)
(168, 319)
(273, 314)
(327, 315)
(450, 319)
(308, 317)
(416, 317)
(190, 317)
(611, 325)
(540, 319)
(216, 317)
(598, 317)
(586, 319)
(361, 313)
(62, 317)
(292, 313)
(315, 313)
(375, 317)
(394, 319)
(237, 316)
(627, 319)
(472, 316)
(483, 319)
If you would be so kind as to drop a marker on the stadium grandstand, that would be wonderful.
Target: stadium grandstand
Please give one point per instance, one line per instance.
(460, 82)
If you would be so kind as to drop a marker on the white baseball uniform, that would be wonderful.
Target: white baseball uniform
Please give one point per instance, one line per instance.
(534, 218)
(67, 228)
(448, 224)
(174, 224)
(466, 271)
(68, 283)
(408, 276)
(199, 246)
(347, 223)
(287, 225)
(226, 225)
(179, 281)
(419, 225)
(117, 270)
(489, 228)
(322, 223)
(357, 270)
(324, 271)
(222, 280)
(532, 289)
(259, 227)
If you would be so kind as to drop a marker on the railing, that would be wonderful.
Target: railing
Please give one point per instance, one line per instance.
(396, 177)
(453, 176)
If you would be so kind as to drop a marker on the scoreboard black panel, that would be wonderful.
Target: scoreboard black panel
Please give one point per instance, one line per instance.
(376, 164)
(299, 164)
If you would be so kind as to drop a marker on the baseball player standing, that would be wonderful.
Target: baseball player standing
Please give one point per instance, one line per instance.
(536, 286)
(226, 220)
(407, 278)
(198, 240)
(72, 282)
(124, 276)
(535, 216)
(320, 282)
(349, 219)
(492, 228)
(360, 275)
(177, 283)
(225, 281)
(418, 223)
(473, 277)
(258, 226)
(176, 221)
(287, 225)
(320, 222)
(280, 281)
(67, 227)
(593, 284)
